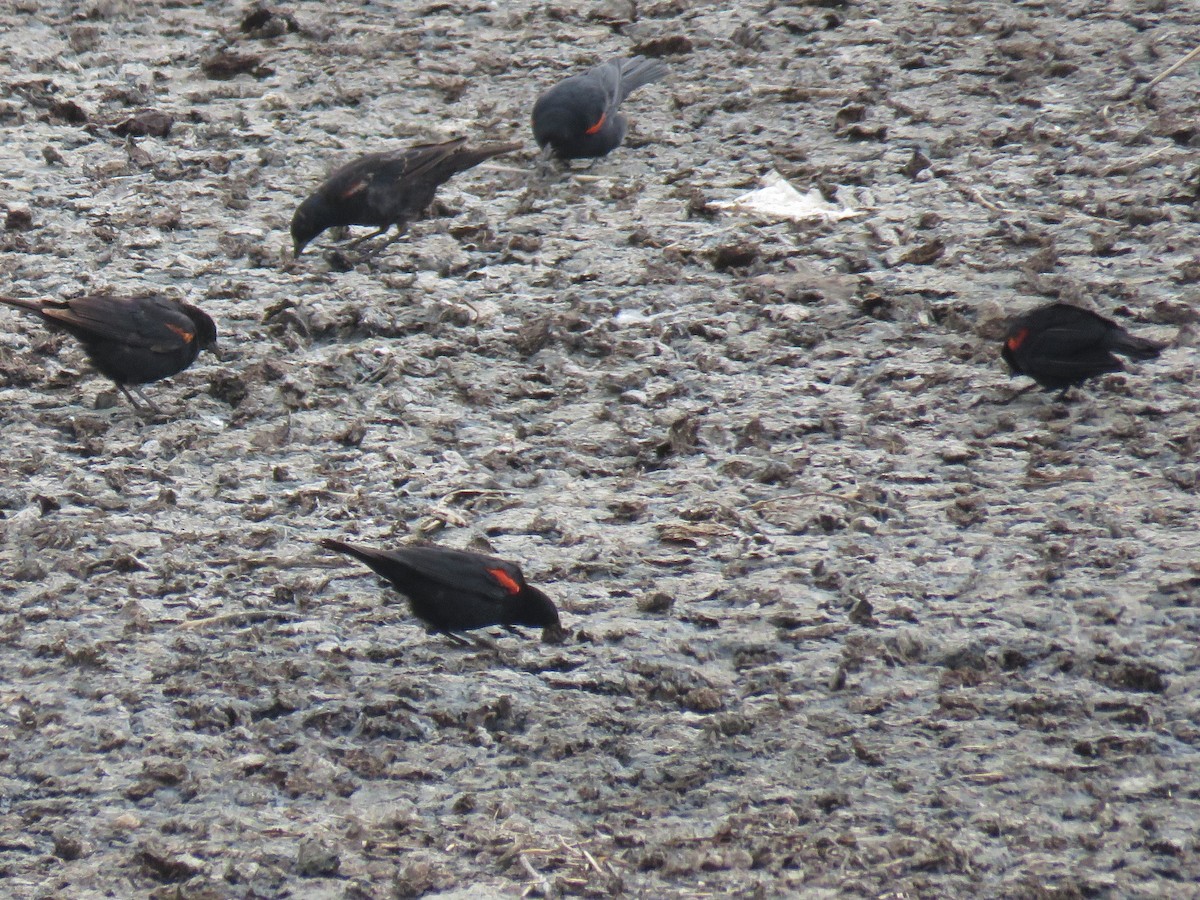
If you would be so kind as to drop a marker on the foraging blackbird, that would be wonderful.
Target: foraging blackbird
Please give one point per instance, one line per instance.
(578, 117)
(456, 590)
(1060, 346)
(132, 340)
(385, 189)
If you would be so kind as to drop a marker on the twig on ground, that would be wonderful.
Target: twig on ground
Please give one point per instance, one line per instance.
(1173, 68)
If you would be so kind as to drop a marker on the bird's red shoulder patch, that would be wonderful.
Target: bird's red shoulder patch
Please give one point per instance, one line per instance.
(598, 125)
(188, 336)
(355, 188)
(506, 581)
(1016, 340)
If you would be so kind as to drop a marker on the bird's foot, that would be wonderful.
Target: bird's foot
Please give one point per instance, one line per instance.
(156, 413)
(1016, 394)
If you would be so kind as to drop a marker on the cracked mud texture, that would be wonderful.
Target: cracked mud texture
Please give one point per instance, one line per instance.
(843, 623)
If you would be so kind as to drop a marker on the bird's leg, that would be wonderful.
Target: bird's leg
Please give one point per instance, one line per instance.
(479, 643)
(137, 406)
(1021, 393)
(1062, 395)
(385, 244)
(484, 644)
(366, 237)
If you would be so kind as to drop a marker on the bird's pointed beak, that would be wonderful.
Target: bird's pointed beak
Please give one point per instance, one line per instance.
(546, 163)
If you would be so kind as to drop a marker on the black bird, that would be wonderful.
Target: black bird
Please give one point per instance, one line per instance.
(578, 117)
(457, 590)
(385, 189)
(131, 340)
(1060, 346)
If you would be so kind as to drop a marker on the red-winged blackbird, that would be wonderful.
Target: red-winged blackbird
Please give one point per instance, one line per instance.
(456, 590)
(578, 117)
(385, 189)
(132, 340)
(1060, 346)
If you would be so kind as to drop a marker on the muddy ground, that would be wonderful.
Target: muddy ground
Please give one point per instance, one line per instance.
(842, 623)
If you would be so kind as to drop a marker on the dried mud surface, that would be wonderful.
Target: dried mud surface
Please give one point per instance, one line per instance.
(842, 624)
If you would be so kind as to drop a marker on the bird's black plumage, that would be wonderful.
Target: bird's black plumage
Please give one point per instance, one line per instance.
(387, 189)
(579, 118)
(131, 340)
(1060, 346)
(457, 590)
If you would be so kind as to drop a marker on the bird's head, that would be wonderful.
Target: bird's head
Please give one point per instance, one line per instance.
(308, 221)
(538, 610)
(1008, 350)
(206, 328)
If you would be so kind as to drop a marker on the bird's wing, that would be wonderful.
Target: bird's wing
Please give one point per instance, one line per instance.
(404, 184)
(150, 322)
(608, 77)
(468, 574)
(1069, 353)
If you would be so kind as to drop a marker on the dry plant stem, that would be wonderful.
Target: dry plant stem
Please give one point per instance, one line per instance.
(1173, 68)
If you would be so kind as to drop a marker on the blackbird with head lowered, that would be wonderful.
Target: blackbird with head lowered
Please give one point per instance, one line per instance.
(392, 188)
(457, 590)
(578, 117)
(131, 340)
(1060, 346)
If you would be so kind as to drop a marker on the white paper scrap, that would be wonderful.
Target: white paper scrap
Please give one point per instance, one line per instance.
(778, 199)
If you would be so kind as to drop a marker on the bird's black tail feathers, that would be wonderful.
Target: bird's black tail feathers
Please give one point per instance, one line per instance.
(637, 71)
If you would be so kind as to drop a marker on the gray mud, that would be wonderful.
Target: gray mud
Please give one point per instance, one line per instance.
(843, 624)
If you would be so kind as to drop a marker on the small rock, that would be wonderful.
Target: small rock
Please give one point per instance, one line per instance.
(127, 822)
(67, 847)
(83, 38)
(734, 256)
(865, 133)
(167, 218)
(916, 164)
(848, 114)
(862, 613)
(68, 111)
(698, 206)
(837, 681)
(956, 452)
(168, 865)
(164, 771)
(865, 525)
(1175, 312)
(922, 255)
(145, 123)
(667, 45)
(614, 12)
(315, 860)
(703, 700)
(19, 218)
(418, 878)
(263, 22)
(658, 602)
(730, 724)
(227, 64)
